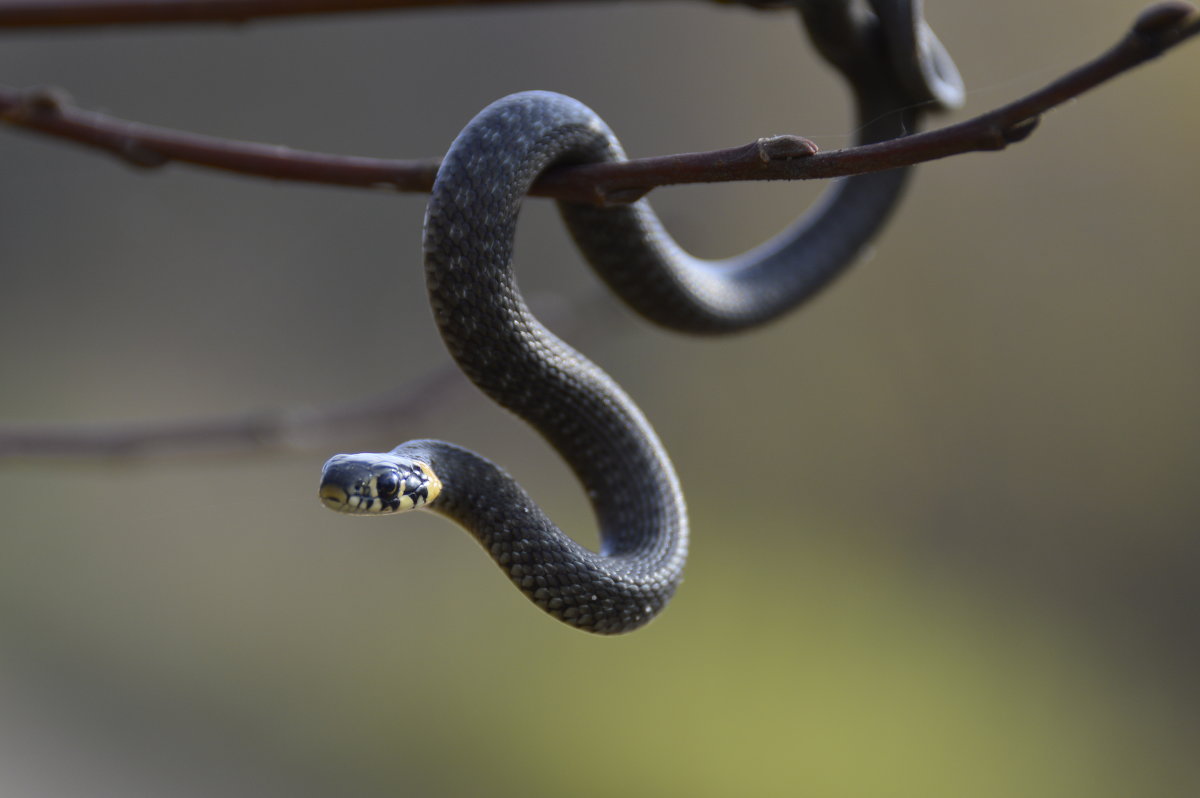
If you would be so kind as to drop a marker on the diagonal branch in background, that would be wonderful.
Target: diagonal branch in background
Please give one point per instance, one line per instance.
(1156, 30)
(254, 432)
(285, 429)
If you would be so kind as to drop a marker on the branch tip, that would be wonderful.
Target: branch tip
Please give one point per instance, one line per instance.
(1162, 19)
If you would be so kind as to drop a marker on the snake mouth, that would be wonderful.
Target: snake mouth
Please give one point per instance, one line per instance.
(337, 499)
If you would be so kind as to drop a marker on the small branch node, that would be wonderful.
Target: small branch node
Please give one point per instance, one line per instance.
(1019, 131)
(784, 148)
(134, 153)
(38, 102)
(619, 196)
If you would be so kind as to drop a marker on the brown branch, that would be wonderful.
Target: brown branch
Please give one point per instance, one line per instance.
(1155, 31)
(50, 111)
(71, 13)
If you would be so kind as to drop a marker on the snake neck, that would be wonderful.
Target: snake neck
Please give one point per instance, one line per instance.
(606, 592)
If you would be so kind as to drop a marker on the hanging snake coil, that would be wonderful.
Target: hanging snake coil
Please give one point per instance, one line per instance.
(892, 62)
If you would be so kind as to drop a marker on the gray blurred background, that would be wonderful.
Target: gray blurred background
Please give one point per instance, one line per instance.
(944, 517)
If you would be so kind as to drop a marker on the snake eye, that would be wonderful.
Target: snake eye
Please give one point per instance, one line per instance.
(387, 485)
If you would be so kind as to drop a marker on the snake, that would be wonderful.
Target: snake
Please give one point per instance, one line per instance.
(583, 413)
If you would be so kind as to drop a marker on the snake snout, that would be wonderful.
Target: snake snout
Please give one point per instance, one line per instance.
(334, 496)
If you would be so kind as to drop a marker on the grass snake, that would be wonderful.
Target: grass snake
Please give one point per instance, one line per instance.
(891, 61)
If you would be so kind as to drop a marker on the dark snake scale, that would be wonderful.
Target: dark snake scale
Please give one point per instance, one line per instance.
(607, 441)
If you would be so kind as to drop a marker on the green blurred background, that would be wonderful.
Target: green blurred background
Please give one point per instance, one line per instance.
(944, 517)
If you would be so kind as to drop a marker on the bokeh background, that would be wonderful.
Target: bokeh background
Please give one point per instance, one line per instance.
(945, 516)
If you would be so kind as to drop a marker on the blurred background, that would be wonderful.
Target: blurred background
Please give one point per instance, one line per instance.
(963, 556)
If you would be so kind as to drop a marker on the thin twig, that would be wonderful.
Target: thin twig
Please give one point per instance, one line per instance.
(1155, 31)
(391, 416)
(257, 432)
(70, 13)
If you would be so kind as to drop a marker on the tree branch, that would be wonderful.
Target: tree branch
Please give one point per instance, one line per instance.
(1155, 31)
(282, 429)
(72, 13)
(243, 433)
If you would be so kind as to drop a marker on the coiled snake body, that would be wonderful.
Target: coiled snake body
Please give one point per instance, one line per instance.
(585, 415)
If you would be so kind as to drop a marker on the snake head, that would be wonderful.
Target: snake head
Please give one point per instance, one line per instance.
(376, 484)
